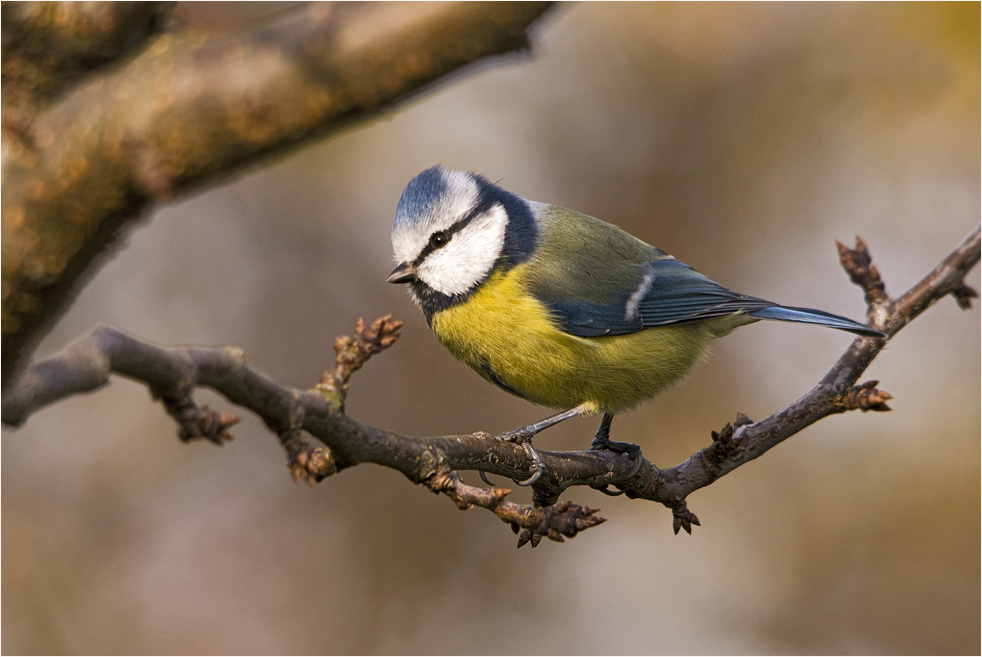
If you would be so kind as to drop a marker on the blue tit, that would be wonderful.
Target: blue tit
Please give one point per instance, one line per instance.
(557, 307)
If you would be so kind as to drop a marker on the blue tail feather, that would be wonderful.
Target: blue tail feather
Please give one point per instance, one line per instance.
(811, 316)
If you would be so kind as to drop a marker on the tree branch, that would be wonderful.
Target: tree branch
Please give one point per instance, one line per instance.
(173, 373)
(49, 47)
(187, 110)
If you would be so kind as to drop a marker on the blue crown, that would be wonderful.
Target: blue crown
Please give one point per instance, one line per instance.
(420, 194)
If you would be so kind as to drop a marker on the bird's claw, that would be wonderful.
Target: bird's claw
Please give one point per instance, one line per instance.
(517, 436)
(605, 489)
(538, 465)
(524, 438)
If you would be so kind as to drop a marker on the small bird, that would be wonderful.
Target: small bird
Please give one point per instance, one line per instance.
(559, 308)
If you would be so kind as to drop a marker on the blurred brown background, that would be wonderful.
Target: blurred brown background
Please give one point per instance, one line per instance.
(742, 138)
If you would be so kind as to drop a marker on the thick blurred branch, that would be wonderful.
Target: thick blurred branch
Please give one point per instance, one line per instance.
(80, 162)
(51, 46)
(173, 373)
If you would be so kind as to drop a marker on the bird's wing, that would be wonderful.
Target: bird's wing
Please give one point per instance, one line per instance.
(599, 280)
(679, 294)
(637, 296)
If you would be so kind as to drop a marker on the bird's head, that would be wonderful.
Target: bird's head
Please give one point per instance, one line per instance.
(452, 228)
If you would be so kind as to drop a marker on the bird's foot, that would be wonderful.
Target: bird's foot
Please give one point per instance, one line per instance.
(523, 437)
(632, 450)
(618, 448)
(602, 440)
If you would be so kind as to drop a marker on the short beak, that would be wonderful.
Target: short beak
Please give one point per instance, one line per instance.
(404, 273)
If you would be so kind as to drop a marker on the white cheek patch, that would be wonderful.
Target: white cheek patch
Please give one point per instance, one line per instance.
(460, 198)
(469, 256)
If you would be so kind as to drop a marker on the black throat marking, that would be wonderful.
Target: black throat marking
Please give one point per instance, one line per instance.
(521, 236)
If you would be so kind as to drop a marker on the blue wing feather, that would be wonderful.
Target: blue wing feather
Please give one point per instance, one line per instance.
(678, 294)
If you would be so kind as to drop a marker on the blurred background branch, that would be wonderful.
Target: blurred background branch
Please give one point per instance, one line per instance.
(49, 47)
(89, 147)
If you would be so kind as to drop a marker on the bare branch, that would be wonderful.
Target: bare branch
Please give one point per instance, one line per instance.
(947, 278)
(173, 373)
(530, 523)
(858, 263)
(351, 354)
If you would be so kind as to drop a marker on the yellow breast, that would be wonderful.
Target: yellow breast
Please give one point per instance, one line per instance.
(510, 339)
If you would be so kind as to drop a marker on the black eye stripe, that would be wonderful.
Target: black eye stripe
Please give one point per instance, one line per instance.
(478, 210)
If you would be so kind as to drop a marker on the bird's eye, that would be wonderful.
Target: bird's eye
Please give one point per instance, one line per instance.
(439, 239)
